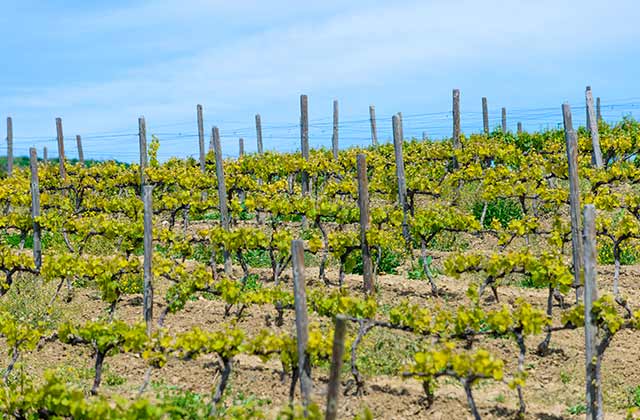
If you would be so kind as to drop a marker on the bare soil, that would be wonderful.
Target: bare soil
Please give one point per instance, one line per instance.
(555, 382)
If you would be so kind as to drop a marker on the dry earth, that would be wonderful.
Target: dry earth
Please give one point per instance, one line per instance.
(555, 381)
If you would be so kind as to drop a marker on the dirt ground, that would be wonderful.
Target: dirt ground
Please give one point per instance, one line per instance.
(554, 385)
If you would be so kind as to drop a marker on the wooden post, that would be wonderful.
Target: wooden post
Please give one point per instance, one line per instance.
(222, 194)
(401, 125)
(372, 120)
(504, 120)
(485, 115)
(519, 127)
(587, 123)
(35, 208)
(304, 139)
(80, 151)
(400, 175)
(302, 322)
(456, 125)
(598, 113)
(45, 156)
(203, 165)
(363, 204)
(259, 133)
(593, 391)
(215, 137)
(147, 304)
(336, 364)
(592, 126)
(574, 195)
(456, 119)
(63, 173)
(242, 195)
(334, 137)
(9, 146)
(259, 215)
(142, 138)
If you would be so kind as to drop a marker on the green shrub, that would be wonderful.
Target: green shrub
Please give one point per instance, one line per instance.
(417, 269)
(183, 404)
(202, 254)
(258, 258)
(448, 241)
(416, 272)
(384, 352)
(213, 215)
(528, 283)
(49, 240)
(245, 214)
(577, 409)
(635, 396)
(243, 407)
(389, 261)
(14, 239)
(629, 254)
(113, 379)
(252, 282)
(528, 141)
(29, 299)
(503, 210)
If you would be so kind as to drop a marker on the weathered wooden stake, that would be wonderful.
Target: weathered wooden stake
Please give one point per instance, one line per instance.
(302, 322)
(334, 137)
(142, 139)
(45, 156)
(363, 204)
(400, 175)
(456, 125)
(35, 207)
(80, 150)
(259, 133)
(304, 139)
(147, 303)
(63, 172)
(519, 127)
(587, 123)
(222, 194)
(598, 113)
(259, 214)
(203, 165)
(485, 115)
(592, 126)
(372, 120)
(336, 364)
(593, 390)
(241, 194)
(215, 137)
(574, 195)
(504, 119)
(9, 146)
(456, 119)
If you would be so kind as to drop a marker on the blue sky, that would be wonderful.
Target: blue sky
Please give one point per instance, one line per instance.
(99, 65)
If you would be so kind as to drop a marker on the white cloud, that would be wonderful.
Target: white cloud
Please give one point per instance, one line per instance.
(362, 47)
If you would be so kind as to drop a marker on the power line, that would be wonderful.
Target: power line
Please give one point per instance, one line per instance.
(353, 131)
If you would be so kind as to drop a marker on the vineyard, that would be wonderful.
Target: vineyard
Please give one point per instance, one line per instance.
(412, 279)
